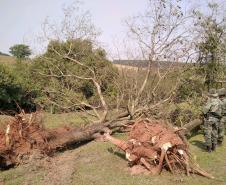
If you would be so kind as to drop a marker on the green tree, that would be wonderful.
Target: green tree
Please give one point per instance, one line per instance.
(65, 84)
(211, 47)
(20, 51)
(209, 52)
(16, 89)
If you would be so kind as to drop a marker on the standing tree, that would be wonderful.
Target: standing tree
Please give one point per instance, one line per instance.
(20, 51)
(211, 43)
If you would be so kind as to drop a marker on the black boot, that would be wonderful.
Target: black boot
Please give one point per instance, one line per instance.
(213, 147)
(209, 149)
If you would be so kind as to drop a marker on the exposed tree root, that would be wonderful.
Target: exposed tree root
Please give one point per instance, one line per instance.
(156, 146)
(24, 134)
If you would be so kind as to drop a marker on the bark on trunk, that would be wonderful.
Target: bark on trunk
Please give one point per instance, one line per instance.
(192, 125)
(88, 133)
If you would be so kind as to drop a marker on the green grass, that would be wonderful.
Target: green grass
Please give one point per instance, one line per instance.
(73, 119)
(57, 120)
(96, 165)
(21, 174)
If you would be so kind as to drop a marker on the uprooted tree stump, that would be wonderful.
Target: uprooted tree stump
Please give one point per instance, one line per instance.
(156, 146)
(22, 136)
(25, 134)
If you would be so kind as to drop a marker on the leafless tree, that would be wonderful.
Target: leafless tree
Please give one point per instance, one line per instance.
(76, 24)
(162, 36)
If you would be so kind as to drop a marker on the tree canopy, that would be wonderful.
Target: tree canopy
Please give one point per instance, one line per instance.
(16, 90)
(20, 51)
(211, 45)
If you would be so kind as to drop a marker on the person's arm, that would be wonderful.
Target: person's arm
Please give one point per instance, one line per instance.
(207, 107)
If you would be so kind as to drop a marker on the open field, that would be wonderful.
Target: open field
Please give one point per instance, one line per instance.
(7, 60)
(10, 60)
(95, 163)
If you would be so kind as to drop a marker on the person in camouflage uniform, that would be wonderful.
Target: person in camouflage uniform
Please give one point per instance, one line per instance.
(212, 114)
(221, 127)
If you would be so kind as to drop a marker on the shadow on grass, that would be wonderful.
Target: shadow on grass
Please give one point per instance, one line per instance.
(118, 153)
(199, 144)
(71, 146)
(194, 133)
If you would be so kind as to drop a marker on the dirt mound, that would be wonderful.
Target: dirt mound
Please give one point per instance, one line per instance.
(155, 146)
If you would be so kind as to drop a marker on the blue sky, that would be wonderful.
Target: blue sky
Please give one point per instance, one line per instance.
(21, 20)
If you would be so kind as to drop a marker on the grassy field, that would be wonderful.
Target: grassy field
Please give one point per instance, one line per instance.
(10, 60)
(7, 60)
(94, 163)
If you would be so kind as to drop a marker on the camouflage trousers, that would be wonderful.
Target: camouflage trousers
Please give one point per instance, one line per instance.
(221, 129)
(211, 131)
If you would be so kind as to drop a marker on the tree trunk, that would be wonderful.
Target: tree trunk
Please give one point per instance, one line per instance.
(192, 125)
(88, 133)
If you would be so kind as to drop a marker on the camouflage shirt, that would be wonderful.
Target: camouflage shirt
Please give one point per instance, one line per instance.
(213, 107)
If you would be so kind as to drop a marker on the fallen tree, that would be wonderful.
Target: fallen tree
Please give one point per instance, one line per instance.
(152, 144)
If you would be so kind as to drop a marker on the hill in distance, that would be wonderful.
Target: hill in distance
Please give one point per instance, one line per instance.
(4, 54)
